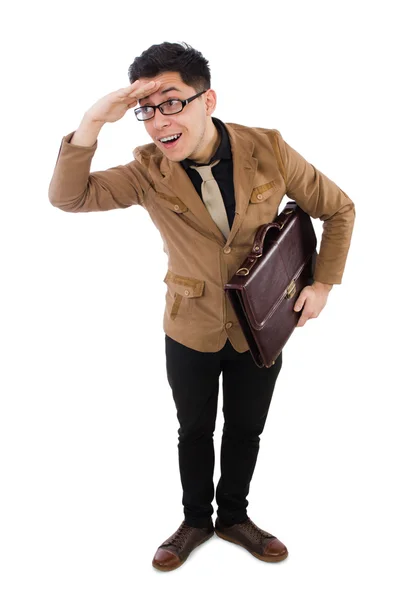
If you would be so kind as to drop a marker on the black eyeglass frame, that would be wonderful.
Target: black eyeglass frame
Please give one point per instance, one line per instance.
(184, 102)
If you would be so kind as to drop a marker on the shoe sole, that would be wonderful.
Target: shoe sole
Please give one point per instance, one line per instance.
(160, 568)
(264, 558)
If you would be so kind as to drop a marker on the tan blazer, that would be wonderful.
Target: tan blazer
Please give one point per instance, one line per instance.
(200, 260)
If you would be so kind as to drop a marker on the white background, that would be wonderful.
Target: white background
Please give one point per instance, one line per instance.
(88, 431)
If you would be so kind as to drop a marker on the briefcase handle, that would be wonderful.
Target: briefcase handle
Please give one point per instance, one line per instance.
(281, 220)
(259, 240)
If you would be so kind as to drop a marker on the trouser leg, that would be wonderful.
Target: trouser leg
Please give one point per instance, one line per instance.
(247, 393)
(194, 380)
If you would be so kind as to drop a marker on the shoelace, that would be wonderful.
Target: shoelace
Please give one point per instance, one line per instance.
(179, 537)
(256, 532)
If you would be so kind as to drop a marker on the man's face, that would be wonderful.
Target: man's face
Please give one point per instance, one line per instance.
(192, 123)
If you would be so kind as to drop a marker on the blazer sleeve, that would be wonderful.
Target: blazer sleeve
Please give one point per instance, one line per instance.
(74, 189)
(322, 199)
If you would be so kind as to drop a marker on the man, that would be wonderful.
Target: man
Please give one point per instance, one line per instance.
(207, 186)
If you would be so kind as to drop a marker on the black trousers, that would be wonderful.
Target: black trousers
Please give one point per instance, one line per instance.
(247, 392)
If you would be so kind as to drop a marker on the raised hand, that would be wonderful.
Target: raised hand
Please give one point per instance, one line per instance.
(113, 106)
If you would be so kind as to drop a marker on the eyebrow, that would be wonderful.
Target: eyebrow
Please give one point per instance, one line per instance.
(169, 89)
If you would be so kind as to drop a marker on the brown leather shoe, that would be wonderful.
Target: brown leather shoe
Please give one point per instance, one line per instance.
(174, 551)
(260, 543)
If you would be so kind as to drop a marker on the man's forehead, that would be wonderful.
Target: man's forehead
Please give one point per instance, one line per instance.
(167, 88)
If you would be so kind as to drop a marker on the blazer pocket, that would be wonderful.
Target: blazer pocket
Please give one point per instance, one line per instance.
(264, 191)
(172, 202)
(182, 289)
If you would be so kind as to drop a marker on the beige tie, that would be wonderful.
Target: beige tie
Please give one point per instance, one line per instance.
(212, 197)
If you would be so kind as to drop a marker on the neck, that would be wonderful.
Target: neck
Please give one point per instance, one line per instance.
(211, 141)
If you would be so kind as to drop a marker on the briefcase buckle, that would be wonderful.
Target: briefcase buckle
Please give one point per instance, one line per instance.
(242, 271)
(291, 289)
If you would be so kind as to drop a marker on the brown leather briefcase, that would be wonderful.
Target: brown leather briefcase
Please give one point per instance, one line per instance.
(264, 289)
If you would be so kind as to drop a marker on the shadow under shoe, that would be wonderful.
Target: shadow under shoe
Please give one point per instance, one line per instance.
(260, 543)
(175, 550)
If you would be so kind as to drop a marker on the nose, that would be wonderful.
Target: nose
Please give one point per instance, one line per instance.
(159, 120)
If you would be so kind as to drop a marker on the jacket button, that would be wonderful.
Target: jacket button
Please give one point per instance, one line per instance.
(187, 292)
(227, 250)
(228, 324)
(259, 196)
(176, 206)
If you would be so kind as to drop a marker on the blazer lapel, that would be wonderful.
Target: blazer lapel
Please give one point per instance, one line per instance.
(178, 184)
(244, 170)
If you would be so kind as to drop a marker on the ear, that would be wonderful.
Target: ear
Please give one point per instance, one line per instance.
(210, 102)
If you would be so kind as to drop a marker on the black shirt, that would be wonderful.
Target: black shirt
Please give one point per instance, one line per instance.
(223, 171)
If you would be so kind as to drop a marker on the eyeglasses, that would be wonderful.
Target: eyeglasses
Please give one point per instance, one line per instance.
(169, 107)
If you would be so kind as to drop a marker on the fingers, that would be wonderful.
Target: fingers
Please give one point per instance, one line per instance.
(302, 320)
(303, 302)
(302, 298)
(312, 304)
(307, 314)
(136, 90)
(299, 304)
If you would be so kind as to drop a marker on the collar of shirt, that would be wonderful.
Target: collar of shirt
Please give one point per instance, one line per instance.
(223, 151)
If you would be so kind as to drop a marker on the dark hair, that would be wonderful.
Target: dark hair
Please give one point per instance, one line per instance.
(182, 58)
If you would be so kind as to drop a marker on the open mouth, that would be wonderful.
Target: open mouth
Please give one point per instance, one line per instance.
(170, 141)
